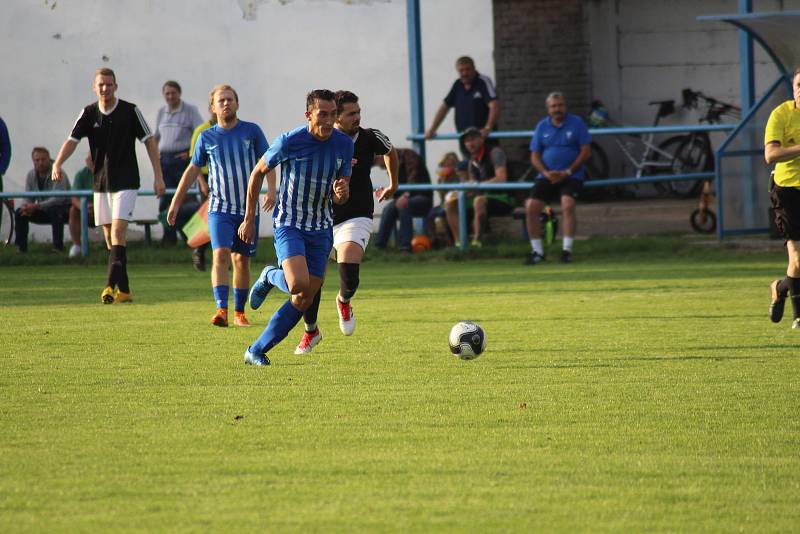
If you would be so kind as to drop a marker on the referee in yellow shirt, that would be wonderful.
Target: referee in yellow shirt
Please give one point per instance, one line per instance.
(782, 147)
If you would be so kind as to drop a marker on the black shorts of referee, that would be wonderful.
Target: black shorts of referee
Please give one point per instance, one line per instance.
(786, 204)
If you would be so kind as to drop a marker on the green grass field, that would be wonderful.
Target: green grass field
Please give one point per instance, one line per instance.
(641, 388)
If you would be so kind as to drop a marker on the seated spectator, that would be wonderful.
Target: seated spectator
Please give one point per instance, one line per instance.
(48, 210)
(450, 170)
(405, 205)
(486, 165)
(84, 181)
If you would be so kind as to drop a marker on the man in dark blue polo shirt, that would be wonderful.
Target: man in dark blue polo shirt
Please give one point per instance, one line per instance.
(475, 99)
(559, 147)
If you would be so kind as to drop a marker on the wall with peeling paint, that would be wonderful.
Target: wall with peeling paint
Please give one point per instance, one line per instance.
(271, 51)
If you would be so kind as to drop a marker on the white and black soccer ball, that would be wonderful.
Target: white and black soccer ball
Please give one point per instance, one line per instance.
(467, 340)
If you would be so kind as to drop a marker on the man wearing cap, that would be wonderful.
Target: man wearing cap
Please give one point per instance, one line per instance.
(485, 165)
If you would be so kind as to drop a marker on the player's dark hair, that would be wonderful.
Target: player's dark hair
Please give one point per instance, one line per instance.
(465, 60)
(319, 94)
(344, 97)
(172, 83)
(105, 71)
(39, 149)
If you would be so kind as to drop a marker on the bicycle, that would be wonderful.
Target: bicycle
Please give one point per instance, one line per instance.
(679, 154)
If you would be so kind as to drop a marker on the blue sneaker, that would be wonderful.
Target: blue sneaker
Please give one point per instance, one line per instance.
(260, 289)
(255, 359)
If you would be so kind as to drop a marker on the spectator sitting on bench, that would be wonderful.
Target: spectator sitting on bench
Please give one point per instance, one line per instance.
(405, 205)
(83, 181)
(49, 210)
(486, 165)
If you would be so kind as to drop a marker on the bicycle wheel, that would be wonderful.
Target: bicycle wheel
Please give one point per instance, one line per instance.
(6, 222)
(689, 154)
(703, 221)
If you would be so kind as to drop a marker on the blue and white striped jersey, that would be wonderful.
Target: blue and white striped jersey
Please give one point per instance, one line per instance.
(308, 169)
(230, 156)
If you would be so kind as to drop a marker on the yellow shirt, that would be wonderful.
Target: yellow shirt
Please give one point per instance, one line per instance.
(783, 126)
(205, 126)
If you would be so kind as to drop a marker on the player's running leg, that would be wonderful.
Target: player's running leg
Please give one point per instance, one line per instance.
(793, 277)
(220, 285)
(349, 256)
(302, 287)
(312, 334)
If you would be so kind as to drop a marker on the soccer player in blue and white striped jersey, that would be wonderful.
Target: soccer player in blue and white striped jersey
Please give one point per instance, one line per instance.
(316, 162)
(231, 149)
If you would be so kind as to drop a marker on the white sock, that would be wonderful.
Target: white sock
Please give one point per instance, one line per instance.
(536, 246)
(342, 299)
(567, 244)
(311, 327)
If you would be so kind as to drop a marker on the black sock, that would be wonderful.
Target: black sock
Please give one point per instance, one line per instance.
(122, 280)
(348, 280)
(784, 286)
(310, 315)
(113, 271)
(794, 291)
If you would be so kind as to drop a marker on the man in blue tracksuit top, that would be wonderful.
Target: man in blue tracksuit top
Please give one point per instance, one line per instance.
(560, 146)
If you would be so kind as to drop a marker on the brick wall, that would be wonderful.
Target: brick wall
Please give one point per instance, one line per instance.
(540, 46)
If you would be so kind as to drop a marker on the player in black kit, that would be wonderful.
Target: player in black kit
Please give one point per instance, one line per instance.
(353, 220)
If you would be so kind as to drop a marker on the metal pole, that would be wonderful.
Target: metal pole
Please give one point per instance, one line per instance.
(415, 74)
(84, 227)
(462, 219)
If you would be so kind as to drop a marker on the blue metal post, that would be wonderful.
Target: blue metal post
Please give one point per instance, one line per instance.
(462, 219)
(746, 64)
(415, 74)
(84, 227)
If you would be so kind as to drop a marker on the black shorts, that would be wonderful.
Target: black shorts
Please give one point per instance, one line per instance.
(786, 201)
(548, 192)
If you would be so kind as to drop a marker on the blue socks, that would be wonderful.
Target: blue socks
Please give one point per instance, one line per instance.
(221, 296)
(278, 328)
(277, 278)
(239, 298)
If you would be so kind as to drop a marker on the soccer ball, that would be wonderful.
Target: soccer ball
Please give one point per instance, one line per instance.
(467, 340)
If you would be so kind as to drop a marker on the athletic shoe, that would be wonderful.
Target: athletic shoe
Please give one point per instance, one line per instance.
(239, 319)
(260, 289)
(74, 251)
(308, 342)
(777, 304)
(347, 319)
(220, 318)
(121, 296)
(476, 244)
(255, 359)
(107, 296)
(199, 259)
(533, 258)
(796, 323)
(566, 256)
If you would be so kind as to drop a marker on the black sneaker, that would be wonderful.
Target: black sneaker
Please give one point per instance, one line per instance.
(199, 259)
(566, 256)
(777, 304)
(533, 258)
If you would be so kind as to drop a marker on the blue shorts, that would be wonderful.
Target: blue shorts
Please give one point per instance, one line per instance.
(315, 245)
(223, 228)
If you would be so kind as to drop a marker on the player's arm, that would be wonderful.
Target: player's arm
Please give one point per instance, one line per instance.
(152, 152)
(775, 153)
(538, 164)
(392, 161)
(441, 113)
(341, 190)
(67, 149)
(187, 180)
(500, 175)
(247, 230)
